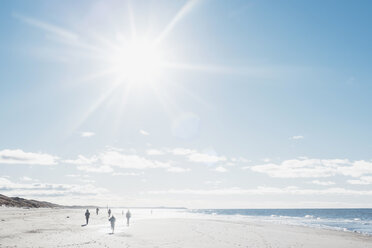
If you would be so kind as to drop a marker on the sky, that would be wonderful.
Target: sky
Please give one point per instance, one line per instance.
(198, 103)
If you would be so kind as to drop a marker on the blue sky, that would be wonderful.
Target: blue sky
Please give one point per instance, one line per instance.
(187, 103)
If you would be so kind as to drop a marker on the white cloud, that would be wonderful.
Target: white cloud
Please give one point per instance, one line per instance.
(243, 160)
(154, 152)
(87, 180)
(87, 134)
(143, 132)
(181, 151)
(121, 160)
(356, 169)
(205, 158)
(72, 175)
(220, 169)
(208, 157)
(213, 183)
(303, 157)
(82, 178)
(77, 176)
(178, 169)
(127, 174)
(18, 156)
(366, 180)
(262, 191)
(295, 168)
(95, 169)
(26, 179)
(297, 137)
(82, 160)
(46, 189)
(240, 160)
(323, 183)
(107, 160)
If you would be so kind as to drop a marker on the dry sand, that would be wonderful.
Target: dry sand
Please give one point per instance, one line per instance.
(52, 228)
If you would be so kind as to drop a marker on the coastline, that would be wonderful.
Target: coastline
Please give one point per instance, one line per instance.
(63, 228)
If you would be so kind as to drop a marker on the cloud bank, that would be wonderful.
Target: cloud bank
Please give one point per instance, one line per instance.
(18, 156)
(314, 168)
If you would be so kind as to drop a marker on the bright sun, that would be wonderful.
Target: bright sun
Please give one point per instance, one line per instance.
(138, 62)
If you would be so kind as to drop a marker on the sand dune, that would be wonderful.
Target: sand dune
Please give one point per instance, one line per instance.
(63, 228)
(21, 202)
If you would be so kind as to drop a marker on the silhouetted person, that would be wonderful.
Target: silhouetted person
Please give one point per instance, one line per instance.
(128, 215)
(97, 210)
(109, 212)
(112, 220)
(87, 214)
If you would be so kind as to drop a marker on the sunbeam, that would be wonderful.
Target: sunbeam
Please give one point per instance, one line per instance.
(46, 27)
(136, 62)
(131, 22)
(189, 5)
(96, 105)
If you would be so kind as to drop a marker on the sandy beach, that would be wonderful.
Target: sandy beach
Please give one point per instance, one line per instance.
(63, 228)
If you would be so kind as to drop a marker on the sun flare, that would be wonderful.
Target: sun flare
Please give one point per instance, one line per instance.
(137, 62)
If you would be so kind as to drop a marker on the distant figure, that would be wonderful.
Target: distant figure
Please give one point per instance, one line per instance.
(109, 212)
(112, 220)
(128, 215)
(87, 214)
(97, 210)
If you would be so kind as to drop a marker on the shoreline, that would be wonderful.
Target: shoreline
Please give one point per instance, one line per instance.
(64, 228)
(219, 217)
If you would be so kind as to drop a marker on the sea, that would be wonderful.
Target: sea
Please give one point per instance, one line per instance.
(349, 220)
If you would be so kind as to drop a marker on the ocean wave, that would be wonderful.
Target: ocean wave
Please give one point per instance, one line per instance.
(350, 220)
